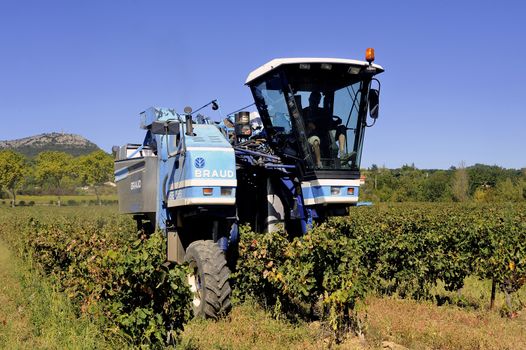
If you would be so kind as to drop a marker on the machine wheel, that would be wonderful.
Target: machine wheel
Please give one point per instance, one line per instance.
(208, 279)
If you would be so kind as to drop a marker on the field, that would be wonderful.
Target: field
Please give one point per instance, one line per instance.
(45, 200)
(417, 275)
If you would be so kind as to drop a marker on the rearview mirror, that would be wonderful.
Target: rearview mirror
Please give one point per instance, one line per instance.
(374, 103)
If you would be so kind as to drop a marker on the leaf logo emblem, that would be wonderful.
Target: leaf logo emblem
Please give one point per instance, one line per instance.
(199, 162)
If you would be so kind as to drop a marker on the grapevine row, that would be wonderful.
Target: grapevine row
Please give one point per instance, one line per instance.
(118, 277)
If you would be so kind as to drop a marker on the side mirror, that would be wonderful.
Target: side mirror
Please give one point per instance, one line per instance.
(374, 103)
(165, 128)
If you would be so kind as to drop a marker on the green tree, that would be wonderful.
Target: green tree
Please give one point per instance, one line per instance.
(480, 182)
(436, 187)
(368, 191)
(384, 183)
(54, 168)
(13, 171)
(487, 176)
(460, 184)
(94, 170)
(484, 194)
(410, 183)
(507, 191)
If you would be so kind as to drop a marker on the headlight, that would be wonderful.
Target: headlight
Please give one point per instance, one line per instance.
(335, 191)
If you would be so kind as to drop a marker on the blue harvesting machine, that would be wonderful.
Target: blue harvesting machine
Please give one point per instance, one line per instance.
(294, 161)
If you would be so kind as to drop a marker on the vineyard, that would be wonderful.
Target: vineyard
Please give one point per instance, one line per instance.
(116, 276)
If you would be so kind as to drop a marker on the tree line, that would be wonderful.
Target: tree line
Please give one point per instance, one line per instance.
(58, 173)
(478, 183)
(53, 172)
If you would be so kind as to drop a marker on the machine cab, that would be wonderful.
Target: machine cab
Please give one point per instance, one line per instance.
(314, 112)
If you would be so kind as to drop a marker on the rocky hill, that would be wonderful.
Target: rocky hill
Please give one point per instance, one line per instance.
(30, 146)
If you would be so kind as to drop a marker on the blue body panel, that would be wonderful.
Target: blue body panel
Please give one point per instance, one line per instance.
(209, 162)
(190, 163)
(321, 194)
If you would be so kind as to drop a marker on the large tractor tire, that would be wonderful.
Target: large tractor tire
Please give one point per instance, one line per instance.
(208, 279)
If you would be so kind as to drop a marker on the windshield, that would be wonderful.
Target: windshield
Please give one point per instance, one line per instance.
(331, 120)
(316, 110)
(270, 97)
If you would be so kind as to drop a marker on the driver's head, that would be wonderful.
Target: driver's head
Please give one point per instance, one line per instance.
(314, 99)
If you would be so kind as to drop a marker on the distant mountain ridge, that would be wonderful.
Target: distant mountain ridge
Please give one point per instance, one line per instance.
(75, 145)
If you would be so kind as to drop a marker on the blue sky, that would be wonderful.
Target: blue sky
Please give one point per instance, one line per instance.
(453, 89)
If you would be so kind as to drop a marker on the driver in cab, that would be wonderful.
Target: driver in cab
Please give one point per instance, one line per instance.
(314, 120)
(319, 121)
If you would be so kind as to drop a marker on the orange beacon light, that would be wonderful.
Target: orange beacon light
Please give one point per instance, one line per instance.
(369, 55)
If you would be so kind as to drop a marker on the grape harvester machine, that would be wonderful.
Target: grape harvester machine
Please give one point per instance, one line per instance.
(294, 161)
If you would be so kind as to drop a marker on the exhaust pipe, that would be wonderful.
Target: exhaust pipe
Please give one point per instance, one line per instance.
(189, 125)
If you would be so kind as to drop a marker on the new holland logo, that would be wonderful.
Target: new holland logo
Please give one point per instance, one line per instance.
(199, 163)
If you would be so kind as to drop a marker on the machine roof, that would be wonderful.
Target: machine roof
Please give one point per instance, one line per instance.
(275, 63)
